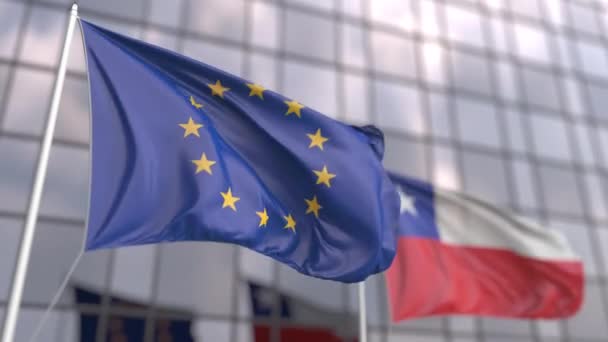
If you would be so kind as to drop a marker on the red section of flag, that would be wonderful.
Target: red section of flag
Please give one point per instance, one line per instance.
(428, 278)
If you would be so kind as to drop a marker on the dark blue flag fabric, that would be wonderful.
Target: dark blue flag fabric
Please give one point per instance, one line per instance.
(184, 151)
(130, 327)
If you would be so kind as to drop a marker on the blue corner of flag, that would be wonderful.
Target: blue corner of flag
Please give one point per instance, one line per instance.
(183, 151)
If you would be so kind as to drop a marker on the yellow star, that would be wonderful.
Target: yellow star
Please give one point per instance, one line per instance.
(229, 200)
(203, 164)
(313, 206)
(217, 89)
(324, 176)
(256, 90)
(191, 127)
(194, 103)
(291, 223)
(294, 107)
(263, 217)
(317, 139)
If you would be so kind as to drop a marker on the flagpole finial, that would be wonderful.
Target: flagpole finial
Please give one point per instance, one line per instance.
(74, 10)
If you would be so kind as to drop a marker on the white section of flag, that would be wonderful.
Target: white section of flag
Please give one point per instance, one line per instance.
(466, 221)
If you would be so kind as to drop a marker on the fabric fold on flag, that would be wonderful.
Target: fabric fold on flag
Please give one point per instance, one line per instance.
(182, 151)
(459, 255)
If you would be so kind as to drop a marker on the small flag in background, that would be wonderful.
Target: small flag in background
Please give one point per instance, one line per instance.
(128, 328)
(459, 255)
(301, 321)
(184, 151)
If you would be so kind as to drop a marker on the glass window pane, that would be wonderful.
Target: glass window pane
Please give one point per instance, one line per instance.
(429, 22)
(506, 78)
(322, 5)
(532, 43)
(556, 12)
(395, 336)
(440, 119)
(406, 157)
(548, 328)
(54, 249)
(471, 73)
(212, 330)
(603, 145)
(560, 190)
(26, 111)
(506, 326)
(477, 123)
(584, 19)
(323, 296)
(464, 26)
(217, 17)
(393, 55)
(164, 12)
(309, 35)
(524, 184)
(602, 234)
(193, 263)
(433, 59)
(598, 96)
(44, 36)
(541, 89)
(262, 69)
(398, 107)
(10, 236)
(60, 325)
(590, 321)
(356, 100)
(265, 19)
(517, 141)
(445, 168)
(527, 8)
(226, 58)
(16, 172)
(484, 177)
(11, 15)
(550, 137)
(462, 324)
(133, 272)
(353, 7)
(595, 194)
(353, 50)
(393, 12)
(73, 119)
(314, 87)
(499, 41)
(67, 185)
(573, 96)
(3, 80)
(161, 38)
(120, 8)
(586, 154)
(593, 59)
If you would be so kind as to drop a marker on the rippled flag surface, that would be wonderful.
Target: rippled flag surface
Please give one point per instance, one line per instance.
(184, 151)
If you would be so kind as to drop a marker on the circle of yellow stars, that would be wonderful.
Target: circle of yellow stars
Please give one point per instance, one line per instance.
(229, 200)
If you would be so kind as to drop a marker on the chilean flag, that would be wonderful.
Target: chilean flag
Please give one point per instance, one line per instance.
(459, 255)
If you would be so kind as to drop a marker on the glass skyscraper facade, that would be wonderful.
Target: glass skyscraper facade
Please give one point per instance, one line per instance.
(503, 100)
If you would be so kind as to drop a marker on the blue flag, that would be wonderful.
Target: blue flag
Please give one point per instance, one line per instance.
(184, 151)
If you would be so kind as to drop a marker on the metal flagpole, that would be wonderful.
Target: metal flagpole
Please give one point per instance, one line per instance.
(362, 313)
(10, 321)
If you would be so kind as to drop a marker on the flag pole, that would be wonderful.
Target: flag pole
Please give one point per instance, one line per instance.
(10, 320)
(362, 313)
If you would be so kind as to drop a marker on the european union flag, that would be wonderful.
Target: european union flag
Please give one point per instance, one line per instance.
(184, 151)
